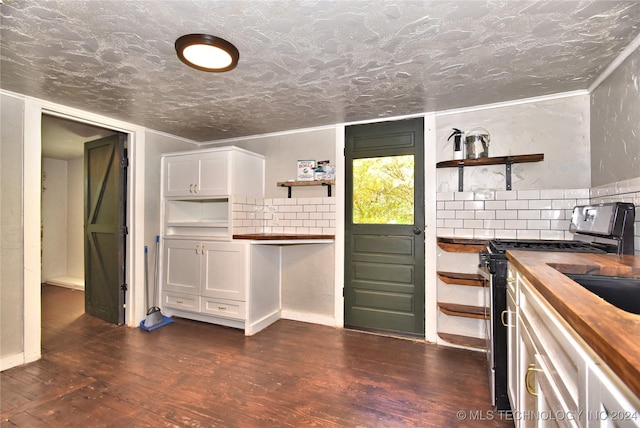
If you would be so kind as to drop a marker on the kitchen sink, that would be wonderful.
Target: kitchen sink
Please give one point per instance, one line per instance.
(621, 292)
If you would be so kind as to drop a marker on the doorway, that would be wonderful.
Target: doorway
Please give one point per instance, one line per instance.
(62, 213)
(384, 227)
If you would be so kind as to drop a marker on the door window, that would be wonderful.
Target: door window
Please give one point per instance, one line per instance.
(383, 190)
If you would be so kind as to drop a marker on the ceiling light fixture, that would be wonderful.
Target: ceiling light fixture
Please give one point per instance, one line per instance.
(207, 53)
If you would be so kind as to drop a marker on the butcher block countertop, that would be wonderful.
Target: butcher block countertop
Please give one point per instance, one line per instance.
(282, 237)
(612, 333)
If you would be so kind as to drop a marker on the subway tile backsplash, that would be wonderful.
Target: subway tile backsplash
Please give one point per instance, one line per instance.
(525, 214)
(516, 214)
(306, 216)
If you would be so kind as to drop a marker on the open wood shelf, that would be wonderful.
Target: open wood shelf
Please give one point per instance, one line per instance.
(467, 311)
(508, 161)
(459, 245)
(497, 160)
(472, 279)
(290, 184)
(469, 342)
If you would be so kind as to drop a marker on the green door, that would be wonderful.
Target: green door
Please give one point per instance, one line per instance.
(105, 227)
(384, 236)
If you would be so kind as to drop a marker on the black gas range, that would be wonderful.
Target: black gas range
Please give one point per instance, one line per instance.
(603, 228)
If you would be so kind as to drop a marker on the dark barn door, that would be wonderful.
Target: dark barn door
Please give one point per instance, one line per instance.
(105, 227)
(384, 237)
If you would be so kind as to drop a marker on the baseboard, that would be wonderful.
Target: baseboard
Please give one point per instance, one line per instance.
(67, 282)
(308, 317)
(262, 323)
(11, 361)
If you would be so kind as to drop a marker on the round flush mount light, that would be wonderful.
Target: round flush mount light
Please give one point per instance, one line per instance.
(207, 53)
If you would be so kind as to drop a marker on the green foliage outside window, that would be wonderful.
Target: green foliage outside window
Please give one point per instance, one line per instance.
(383, 191)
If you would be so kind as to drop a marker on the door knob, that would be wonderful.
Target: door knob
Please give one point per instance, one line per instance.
(417, 230)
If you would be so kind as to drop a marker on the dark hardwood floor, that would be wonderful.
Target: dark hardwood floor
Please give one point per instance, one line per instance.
(192, 374)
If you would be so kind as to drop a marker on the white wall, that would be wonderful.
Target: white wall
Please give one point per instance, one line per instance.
(308, 271)
(11, 233)
(62, 221)
(54, 218)
(615, 124)
(558, 128)
(75, 218)
(282, 152)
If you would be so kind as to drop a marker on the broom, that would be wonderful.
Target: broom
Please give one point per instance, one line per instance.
(154, 318)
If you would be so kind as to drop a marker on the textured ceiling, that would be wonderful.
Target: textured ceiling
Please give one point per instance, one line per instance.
(304, 63)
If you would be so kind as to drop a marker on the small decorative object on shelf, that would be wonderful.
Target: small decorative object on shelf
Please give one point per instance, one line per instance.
(306, 169)
(508, 161)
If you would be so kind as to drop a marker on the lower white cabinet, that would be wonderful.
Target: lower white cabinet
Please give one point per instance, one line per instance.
(555, 378)
(230, 283)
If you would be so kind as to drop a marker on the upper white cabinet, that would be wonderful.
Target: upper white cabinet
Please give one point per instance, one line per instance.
(199, 186)
(213, 172)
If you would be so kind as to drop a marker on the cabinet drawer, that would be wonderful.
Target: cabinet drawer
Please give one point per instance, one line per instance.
(224, 308)
(565, 360)
(183, 302)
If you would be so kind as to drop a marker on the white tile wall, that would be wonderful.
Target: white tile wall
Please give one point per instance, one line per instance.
(525, 214)
(315, 216)
(622, 191)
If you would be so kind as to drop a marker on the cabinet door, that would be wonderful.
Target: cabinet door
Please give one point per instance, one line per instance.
(180, 175)
(213, 174)
(551, 409)
(512, 349)
(225, 270)
(527, 371)
(182, 265)
(610, 404)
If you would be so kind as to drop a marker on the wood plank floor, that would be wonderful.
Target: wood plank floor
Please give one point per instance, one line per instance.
(191, 374)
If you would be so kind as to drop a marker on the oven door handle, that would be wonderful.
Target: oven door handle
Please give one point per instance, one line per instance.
(502, 317)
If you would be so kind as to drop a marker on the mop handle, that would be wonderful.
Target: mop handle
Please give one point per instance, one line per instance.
(155, 272)
(146, 275)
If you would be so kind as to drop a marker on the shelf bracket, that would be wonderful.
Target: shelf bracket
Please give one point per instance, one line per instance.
(328, 189)
(461, 177)
(508, 166)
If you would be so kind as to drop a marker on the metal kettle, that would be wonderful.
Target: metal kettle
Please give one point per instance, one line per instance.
(476, 143)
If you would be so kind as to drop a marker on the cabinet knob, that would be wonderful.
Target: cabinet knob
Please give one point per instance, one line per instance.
(511, 280)
(180, 301)
(222, 308)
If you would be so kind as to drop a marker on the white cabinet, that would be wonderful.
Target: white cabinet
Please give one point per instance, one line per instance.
(512, 337)
(199, 188)
(198, 217)
(555, 378)
(229, 283)
(609, 402)
(206, 275)
(213, 172)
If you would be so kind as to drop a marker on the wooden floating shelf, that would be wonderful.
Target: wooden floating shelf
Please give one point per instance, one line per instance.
(467, 311)
(497, 160)
(458, 245)
(290, 184)
(467, 341)
(508, 161)
(471, 279)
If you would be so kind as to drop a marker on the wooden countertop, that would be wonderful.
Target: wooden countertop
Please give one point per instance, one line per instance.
(281, 237)
(611, 332)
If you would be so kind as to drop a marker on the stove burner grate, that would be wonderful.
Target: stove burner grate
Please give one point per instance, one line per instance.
(500, 246)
